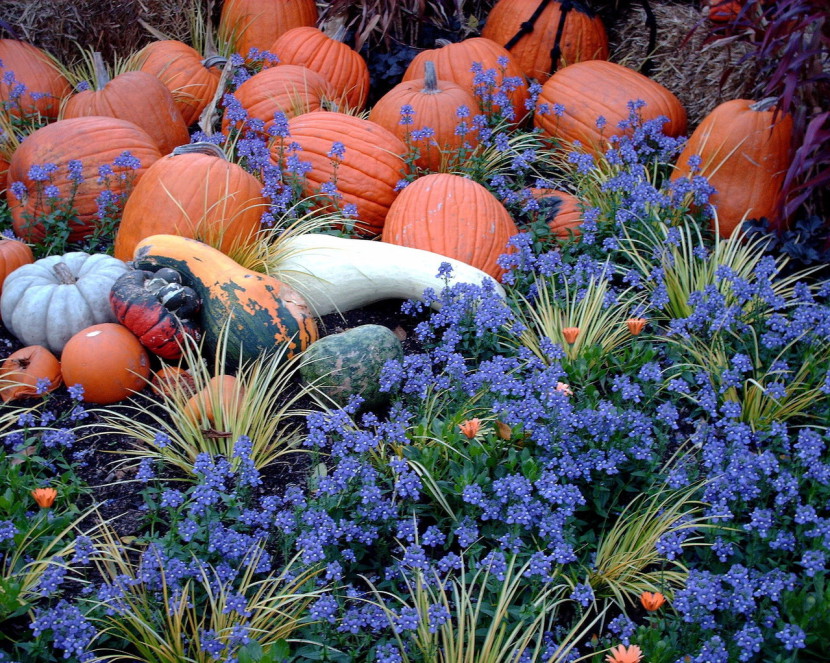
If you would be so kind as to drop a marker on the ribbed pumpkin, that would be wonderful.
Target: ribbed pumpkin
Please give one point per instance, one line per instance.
(366, 175)
(745, 152)
(224, 393)
(290, 89)
(597, 88)
(21, 371)
(452, 216)
(562, 211)
(107, 361)
(454, 62)
(582, 37)
(13, 254)
(434, 103)
(193, 192)
(38, 73)
(257, 24)
(190, 78)
(260, 312)
(134, 96)
(341, 65)
(94, 141)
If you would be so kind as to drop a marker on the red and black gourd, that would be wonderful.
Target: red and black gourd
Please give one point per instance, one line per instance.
(157, 308)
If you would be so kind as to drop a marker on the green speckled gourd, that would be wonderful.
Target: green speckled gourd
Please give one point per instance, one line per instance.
(350, 362)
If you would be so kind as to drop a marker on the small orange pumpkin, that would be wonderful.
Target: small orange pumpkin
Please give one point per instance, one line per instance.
(256, 24)
(595, 88)
(137, 97)
(21, 371)
(568, 215)
(13, 254)
(434, 104)
(171, 379)
(745, 153)
(287, 88)
(107, 361)
(45, 85)
(582, 34)
(344, 67)
(454, 217)
(454, 62)
(191, 79)
(367, 173)
(222, 391)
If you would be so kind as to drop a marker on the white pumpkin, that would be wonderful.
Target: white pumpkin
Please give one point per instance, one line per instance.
(49, 301)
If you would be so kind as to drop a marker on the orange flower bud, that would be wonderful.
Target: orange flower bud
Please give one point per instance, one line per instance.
(623, 654)
(652, 600)
(570, 334)
(45, 497)
(470, 427)
(636, 325)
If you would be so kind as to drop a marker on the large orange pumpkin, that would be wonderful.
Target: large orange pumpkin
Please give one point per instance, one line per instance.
(13, 254)
(137, 97)
(562, 211)
(434, 104)
(454, 217)
(367, 173)
(191, 79)
(289, 89)
(45, 84)
(596, 88)
(257, 24)
(454, 62)
(342, 66)
(193, 192)
(107, 361)
(23, 369)
(745, 154)
(95, 142)
(582, 35)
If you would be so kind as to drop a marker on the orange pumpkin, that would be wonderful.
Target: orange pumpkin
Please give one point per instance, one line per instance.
(95, 142)
(134, 96)
(745, 154)
(722, 11)
(36, 70)
(172, 379)
(434, 104)
(596, 88)
(22, 370)
(287, 88)
(191, 79)
(367, 173)
(454, 217)
(344, 67)
(13, 254)
(454, 62)
(193, 192)
(107, 361)
(567, 215)
(582, 35)
(221, 391)
(257, 24)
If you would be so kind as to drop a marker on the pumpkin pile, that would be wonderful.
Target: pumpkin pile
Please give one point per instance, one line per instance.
(293, 126)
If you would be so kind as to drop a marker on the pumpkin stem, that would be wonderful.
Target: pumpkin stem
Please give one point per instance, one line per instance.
(214, 61)
(100, 69)
(209, 149)
(63, 273)
(23, 362)
(430, 78)
(764, 104)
